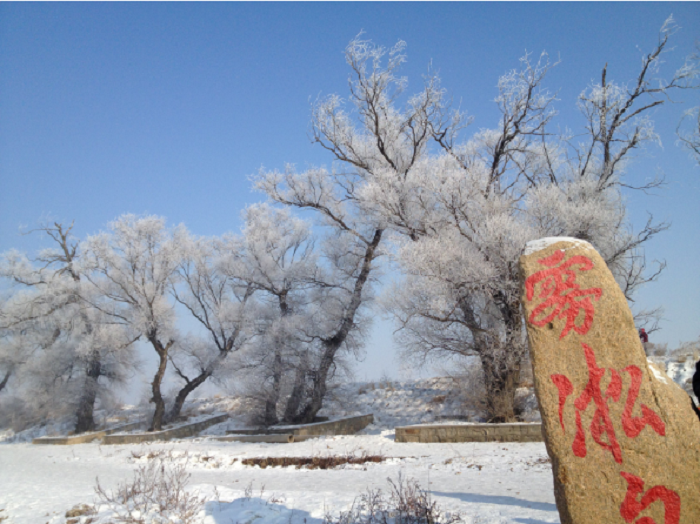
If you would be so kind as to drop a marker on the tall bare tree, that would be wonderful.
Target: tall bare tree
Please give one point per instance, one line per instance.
(481, 200)
(54, 338)
(133, 268)
(212, 289)
(373, 139)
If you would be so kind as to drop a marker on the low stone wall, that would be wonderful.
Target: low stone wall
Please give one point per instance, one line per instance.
(517, 432)
(266, 439)
(189, 430)
(84, 437)
(343, 426)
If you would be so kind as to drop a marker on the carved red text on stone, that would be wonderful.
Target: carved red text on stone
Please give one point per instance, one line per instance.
(602, 429)
(562, 296)
(632, 506)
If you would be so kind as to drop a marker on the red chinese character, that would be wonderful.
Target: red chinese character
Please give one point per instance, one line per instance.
(563, 297)
(601, 423)
(634, 425)
(565, 388)
(631, 507)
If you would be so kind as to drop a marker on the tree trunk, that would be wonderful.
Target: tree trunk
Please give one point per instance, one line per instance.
(315, 403)
(332, 345)
(501, 379)
(191, 385)
(295, 399)
(157, 399)
(7, 376)
(85, 420)
(272, 397)
(188, 388)
(502, 368)
(500, 360)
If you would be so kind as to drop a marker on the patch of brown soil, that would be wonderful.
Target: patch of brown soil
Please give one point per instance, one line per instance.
(311, 462)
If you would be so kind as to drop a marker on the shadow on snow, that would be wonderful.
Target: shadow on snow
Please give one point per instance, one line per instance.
(477, 498)
(246, 510)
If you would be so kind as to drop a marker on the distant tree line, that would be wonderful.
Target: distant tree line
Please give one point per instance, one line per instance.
(283, 305)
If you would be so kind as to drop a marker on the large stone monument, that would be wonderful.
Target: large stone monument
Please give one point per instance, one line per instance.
(623, 438)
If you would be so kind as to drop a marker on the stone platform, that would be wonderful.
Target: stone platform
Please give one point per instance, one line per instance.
(188, 430)
(343, 426)
(84, 437)
(515, 432)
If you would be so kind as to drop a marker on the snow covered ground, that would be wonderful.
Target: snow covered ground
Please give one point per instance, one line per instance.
(487, 483)
(484, 483)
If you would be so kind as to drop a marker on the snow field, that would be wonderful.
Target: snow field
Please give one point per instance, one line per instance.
(487, 483)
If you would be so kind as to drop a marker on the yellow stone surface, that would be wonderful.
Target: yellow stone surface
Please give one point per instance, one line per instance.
(618, 455)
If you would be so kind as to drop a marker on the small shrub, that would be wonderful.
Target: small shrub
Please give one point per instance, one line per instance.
(161, 454)
(80, 510)
(406, 503)
(156, 494)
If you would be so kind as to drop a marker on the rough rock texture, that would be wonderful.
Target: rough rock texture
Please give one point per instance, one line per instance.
(622, 436)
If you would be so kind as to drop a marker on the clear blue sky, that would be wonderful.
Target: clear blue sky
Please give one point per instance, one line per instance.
(167, 108)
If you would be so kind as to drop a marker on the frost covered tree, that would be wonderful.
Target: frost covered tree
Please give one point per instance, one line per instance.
(62, 351)
(688, 130)
(132, 268)
(466, 213)
(589, 172)
(212, 289)
(278, 262)
(372, 138)
(466, 230)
